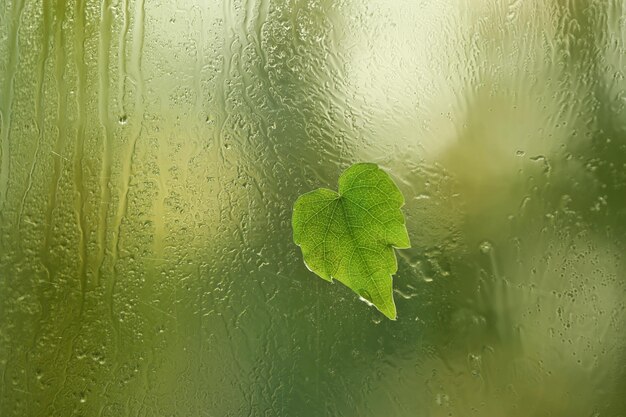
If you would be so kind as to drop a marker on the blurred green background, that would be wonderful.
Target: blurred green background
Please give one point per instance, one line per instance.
(151, 152)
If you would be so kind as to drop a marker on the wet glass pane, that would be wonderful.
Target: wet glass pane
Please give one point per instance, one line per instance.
(151, 152)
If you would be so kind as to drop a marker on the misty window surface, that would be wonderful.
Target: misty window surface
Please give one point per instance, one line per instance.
(151, 153)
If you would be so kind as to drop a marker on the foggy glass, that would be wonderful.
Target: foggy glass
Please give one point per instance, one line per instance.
(151, 152)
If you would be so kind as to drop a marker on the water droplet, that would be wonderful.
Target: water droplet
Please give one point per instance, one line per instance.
(365, 296)
(123, 119)
(485, 247)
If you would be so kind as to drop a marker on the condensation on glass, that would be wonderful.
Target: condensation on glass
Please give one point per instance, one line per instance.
(151, 152)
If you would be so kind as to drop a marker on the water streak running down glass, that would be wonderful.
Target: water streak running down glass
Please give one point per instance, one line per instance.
(151, 152)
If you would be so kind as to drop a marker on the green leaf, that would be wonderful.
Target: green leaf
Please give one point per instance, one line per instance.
(350, 235)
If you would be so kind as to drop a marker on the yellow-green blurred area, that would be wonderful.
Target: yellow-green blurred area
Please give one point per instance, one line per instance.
(151, 152)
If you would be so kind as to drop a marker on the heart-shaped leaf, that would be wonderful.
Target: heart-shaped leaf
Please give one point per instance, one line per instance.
(350, 235)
